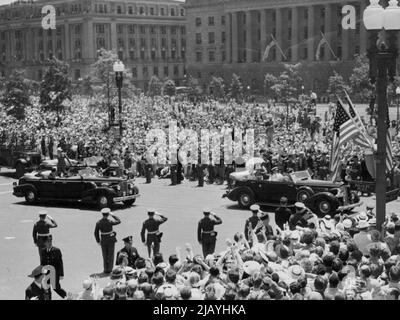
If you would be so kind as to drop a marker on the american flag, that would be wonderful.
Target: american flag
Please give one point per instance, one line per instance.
(344, 130)
(363, 139)
(389, 150)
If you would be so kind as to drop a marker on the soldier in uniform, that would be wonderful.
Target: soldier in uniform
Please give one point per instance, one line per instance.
(251, 222)
(41, 229)
(153, 233)
(206, 235)
(52, 256)
(105, 236)
(130, 251)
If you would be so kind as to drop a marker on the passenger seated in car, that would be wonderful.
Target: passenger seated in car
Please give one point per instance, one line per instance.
(276, 176)
(53, 173)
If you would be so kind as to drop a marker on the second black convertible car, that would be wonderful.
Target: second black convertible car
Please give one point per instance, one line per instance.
(322, 197)
(86, 185)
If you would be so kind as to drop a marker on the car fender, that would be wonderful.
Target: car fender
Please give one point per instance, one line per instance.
(93, 193)
(25, 187)
(234, 194)
(326, 195)
(309, 189)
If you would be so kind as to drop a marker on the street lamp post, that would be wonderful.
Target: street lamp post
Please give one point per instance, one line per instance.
(398, 102)
(119, 69)
(379, 21)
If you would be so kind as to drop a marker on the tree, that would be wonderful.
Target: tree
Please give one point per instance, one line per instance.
(236, 89)
(56, 86)
(269, 81)
(155, 86)
(194, 88)
(359, 80)
(217, 87)
(169, 87)
(288, 84)
(16, 95)
(85, 86)
(336, 85)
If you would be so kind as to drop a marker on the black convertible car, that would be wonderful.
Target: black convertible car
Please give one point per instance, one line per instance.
(322, 197)
(85, 185)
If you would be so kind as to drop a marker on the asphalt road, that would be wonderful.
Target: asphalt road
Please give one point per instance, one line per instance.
(182, 205)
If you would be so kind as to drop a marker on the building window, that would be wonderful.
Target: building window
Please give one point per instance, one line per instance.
(183, 30)
(142, 29)
(182, 12)
(153, 30)
(120, 28)
(358, 28)
(155, 71)
(289, 54)
(100, 28)
(48, 33)
(145, 72)
(120, 43)
(151, 11)
(211, 38)
(163, 11)
(131, 54)
(211, 21)
(120, 55)
(142, 42)
(142, 55)
(198, 38)
(274, 15)
(141, 11)
(163, 54)
(183, 54)
(172, 12)
(163, 30)
(290, 33)
(211, 56)
(166, 72)
(132, 42)
(77, 74)
(357, 50)
(339, 30)
(198, 22)
(101, 43)
(223, 37)
(78, 29)
(339, 52)
(131, 29)
(322, 29)
(119, 9)
(322, 13)
(134, 72)
(130, 10)
(290, 15)
(305, 53)
(223, 20)
(164, 42)
(40, 32)
(173, 30)
(176, 70)
(223, 56)
(305, 34)
(199, 56)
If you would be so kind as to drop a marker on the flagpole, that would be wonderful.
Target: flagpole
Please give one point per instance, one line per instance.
(329, 46)
(279, 47)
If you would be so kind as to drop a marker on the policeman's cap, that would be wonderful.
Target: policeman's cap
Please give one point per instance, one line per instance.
(105, 211)
(42, 213)
(300, 205)
(37, 272)
(151, 212)
(206, 211)
(127, 239)
(255, 207)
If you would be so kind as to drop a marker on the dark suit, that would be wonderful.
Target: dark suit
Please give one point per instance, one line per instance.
(151, 225)
(206, 234)
(53, 257)
(34, 291)
(106, 238)
(132, 256)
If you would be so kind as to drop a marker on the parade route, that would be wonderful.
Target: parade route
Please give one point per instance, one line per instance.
(182, 204)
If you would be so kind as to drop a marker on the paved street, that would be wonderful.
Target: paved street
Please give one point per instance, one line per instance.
(182, 204)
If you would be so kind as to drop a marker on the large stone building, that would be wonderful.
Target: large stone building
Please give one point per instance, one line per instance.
(230, 36)
(149, 36)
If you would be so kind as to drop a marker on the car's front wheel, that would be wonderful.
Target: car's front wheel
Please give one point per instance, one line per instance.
(30, 196)
(245, 200)
(324, 207)
(303, 195)
(129, 203)
(103, 201)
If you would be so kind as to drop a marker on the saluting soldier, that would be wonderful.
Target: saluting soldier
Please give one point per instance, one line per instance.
(206, 235)
(52, 256)
(106, 237)
(130, 251)
(153, 233)
(41, 229)
(251, 222)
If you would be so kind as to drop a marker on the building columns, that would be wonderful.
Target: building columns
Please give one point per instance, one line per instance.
(234, 37)
(249, 42)
(67, 42)
(328, 32)
(295, 34)
(263, 32)
(310, 27)
(229, 38)
(278, 36)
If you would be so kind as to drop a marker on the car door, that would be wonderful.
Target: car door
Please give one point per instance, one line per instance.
(272, 191)
(69, 188)
(46, 188)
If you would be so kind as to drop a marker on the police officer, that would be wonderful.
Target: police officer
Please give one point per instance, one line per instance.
(130, 251)
(251, 222)
(41, 229)
(105, 236)
(206, 235)
(153, 233)
(52, 256)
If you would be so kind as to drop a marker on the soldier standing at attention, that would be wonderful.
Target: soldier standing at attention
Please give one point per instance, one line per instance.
(206, 235)
(106, 237)
(41, 229)
(153, 233)
(251, 222)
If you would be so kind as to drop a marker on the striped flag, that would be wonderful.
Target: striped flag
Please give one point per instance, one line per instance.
(363, 139)
(322, 42)
(344, 130)
(268, 49)
(389, 149)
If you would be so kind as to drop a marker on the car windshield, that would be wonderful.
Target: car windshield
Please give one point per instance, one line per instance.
(300, 176)
(88, 172)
